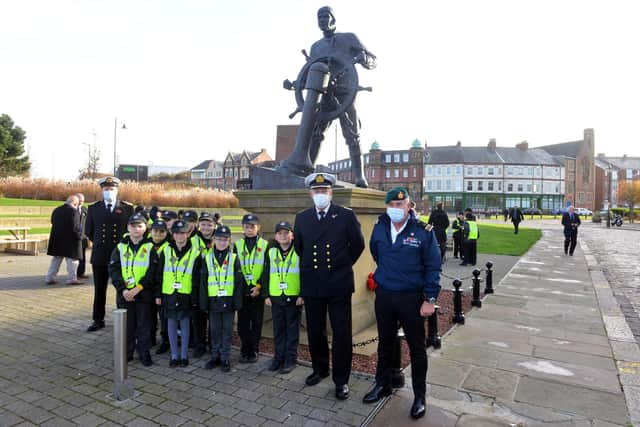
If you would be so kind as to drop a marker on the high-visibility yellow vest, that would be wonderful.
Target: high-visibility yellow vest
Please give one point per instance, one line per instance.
(160, 249)
(284, 274)
(458, 223)
(220, 277)
(178, 273)
(134, 266)
(473, 230)
(252, 263)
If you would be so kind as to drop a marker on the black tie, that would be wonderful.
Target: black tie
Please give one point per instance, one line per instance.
(109, 207)
(321, 213)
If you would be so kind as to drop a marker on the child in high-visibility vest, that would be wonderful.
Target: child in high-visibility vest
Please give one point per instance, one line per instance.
(160, 239)
(132, 270)
(221, 295)
(251, 251)
(179, 273)
(284, 299)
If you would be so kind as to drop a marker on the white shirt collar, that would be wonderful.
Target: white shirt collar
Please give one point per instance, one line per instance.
(394, 233)
(325, 210)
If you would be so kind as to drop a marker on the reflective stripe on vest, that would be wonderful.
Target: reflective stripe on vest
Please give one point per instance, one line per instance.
(284, 271)
(178, 271)
(220, 277)
(134, 266)
(160, 249)
(458, 223)
(252, 263)
(473, 230)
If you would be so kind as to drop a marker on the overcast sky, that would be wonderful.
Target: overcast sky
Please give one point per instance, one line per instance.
(193, 79)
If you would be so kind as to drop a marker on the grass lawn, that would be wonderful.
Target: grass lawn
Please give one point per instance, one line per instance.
(43, 230)
(500, 239)
(8, 201)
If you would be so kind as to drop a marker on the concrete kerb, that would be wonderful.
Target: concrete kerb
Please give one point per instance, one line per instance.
(623, 344)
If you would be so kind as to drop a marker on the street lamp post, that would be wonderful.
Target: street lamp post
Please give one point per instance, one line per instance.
(609, 171)
(115, 142)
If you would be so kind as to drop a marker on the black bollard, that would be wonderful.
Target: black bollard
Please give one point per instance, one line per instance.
(489, 285)
(397, 377)
(475, 302)
(433, 339)
(458, 314)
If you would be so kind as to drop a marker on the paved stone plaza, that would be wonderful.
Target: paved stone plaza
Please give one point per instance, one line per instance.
(552, 347)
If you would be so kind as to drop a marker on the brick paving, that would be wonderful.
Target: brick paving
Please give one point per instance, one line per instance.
(54, 373)
(616, 250)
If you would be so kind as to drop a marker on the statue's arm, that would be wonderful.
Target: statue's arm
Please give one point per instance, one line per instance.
(361, 55)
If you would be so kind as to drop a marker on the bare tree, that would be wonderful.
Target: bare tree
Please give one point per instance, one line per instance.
(93, 162)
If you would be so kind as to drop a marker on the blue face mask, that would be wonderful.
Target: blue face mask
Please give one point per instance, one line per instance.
(396, 214)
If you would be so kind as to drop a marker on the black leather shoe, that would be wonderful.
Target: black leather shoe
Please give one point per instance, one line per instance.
(253, 358)
(173, 363)
(275, 365)
(342, 392)
(129, 357)
(376, 393)
(243, 359)
(225, 366)
(212, 363)
(146, 360)
(95, 326)
(287, 367)
(315, 378)
(184, 362)
(164, 347)
(418, 409)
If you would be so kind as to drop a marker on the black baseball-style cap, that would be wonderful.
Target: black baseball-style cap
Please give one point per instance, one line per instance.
(222, 231)
(283, 225)
(250, 219)
(159, 224)
(180, 227)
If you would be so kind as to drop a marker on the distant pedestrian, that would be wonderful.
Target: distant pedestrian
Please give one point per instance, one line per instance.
(458, 228)
(505, 212)
(65, 241)
(571, 222)
(470, 237)
(440, 222)
(82, 210)
(516, 218)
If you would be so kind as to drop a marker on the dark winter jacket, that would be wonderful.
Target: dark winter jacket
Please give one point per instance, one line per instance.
(65, 239)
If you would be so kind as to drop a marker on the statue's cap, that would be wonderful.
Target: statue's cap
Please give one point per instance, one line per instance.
(326, 9)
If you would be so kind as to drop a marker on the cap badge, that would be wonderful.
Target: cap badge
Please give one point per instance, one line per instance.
(320, 179)
(400, 195)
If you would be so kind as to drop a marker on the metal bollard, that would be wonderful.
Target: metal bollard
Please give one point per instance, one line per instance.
(122, 389)
(458, 314)
(397, 377)
(475, 302)
(433, 339)
(488, 289)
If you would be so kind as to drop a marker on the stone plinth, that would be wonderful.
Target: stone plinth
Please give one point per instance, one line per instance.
(273, 206)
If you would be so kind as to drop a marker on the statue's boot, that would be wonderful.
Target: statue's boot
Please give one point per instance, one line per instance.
(357, 172)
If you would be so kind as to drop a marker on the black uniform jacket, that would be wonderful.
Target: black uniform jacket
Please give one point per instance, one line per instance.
(105, 229)
(65, 239)
(327, 250)
(221, 304)
(148, 281)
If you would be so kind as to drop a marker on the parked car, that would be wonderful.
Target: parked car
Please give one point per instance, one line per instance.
(559, 211)
(532, 211)
(584, 212)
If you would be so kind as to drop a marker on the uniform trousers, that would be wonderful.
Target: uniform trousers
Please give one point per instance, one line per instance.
(286, 328)
(516, 224)
(403, 307)
(339, 309)
(172, 325)
(138, 327)
(470, 251)
(82, 264)
(221, 327)
(54, 267)
(250, 325)
(457, 244)
(199, 320)
(570, 241)
(100, 282)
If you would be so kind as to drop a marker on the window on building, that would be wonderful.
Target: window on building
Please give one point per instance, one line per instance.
(480, 187)
(510, 187)
(571, 165)
(528, 188)
(469, 171)
(589, 197)
(557, 188)
(629, 174)
(499, 185)
(366, 159)
(396, 157)
(387, 173)
(429, 171)
(509, 171)
(580, 197)
(430, 185)
(448, 171)
(244, 173)
(530, 171)
(438, 185)
(458, 170)
(405, 157)
(520, 188)
(387, 158)
(405, 173)
(396, 173)
(490, 186)
(469, 185)
(480, 170)
(499, 171)
(415, 172)
(235, 172)
(489, 171)
(520, 171)
(458, 185)
(448, 185)
(438, 171)
(535, 188)
(373, 173)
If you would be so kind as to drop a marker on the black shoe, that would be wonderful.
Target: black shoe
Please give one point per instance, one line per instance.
(464, 264)
(315, 378)
(243, 359)
(225, 366)
(173, 363)
(184, 362)
(146, 360)
(342, 392)
(288, 367)
(397, 379)
(253, 358)
(570, 253)
(164, 347)
(275, 365)
(95, 326)
(129, 357)
(198, 353)
(418, 409)
(212, 364)
(376, 393)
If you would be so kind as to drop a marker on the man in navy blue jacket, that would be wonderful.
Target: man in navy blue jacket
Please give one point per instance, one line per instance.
(408, 283)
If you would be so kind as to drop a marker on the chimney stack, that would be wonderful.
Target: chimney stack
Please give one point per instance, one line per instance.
(492, 145)
(524, 146)
(459, 144)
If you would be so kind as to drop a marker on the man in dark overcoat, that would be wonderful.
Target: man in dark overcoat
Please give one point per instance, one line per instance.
(106, 224)
(65, 241)
(570, 222)
(328, 240)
